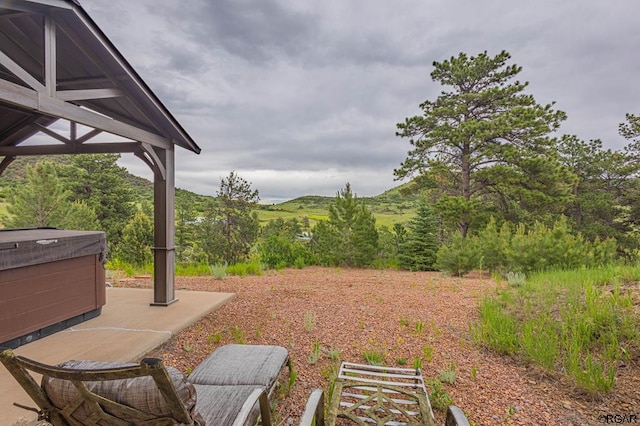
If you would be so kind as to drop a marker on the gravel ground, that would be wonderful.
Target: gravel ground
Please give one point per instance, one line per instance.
(403, 315)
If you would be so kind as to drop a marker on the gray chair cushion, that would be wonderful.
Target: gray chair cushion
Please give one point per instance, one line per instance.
(220, 405)
(241, 365)
(140, 392)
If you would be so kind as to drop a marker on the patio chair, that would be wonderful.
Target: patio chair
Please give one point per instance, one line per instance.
(365, 394)
(230, 387)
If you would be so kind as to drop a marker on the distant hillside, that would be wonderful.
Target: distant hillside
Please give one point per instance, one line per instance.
(390, 207)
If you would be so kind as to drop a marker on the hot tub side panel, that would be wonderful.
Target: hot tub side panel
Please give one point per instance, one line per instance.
(39, 296)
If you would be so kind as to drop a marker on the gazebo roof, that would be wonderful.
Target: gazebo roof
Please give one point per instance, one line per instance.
(56, 63)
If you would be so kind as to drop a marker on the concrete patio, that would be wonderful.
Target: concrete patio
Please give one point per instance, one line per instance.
(127, 329)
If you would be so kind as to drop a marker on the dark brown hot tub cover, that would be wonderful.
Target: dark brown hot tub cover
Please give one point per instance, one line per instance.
(26, 247)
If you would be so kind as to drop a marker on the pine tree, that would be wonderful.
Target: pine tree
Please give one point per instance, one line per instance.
(100, 182)
(420, 245)
(42, 200)
(230, 226)
(137, 240)
(483, 146)
(350, 236)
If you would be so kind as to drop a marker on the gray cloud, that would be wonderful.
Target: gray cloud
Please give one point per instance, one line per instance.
(300, 97)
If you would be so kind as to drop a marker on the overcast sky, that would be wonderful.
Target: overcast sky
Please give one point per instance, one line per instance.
(301, 96)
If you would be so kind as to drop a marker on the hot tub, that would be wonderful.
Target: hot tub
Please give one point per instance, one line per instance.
(50, 279)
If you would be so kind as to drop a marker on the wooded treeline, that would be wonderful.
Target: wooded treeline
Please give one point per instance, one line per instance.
(488, 162)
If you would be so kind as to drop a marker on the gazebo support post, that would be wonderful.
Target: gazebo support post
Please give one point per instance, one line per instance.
(164, 228)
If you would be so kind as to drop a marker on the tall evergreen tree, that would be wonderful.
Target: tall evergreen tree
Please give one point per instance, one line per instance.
(101, 183)
(137, 240)
(419, 248)
(605, 192)
(483, 146)
(349, 237)
(187, 248)
(630, 129)
(42, 200)
(230, 226)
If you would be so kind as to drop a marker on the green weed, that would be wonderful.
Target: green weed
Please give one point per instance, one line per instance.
(309, 321)
(214, 338)
(238, 335)
(427, 352)
(315, 353)
(293, 375)
(374, 357)
(579, 321)
(439, 398)
(334, 354)
(448, 376)
(474, 372)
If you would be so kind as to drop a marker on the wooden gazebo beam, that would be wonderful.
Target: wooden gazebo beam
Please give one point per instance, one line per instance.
(33, 96)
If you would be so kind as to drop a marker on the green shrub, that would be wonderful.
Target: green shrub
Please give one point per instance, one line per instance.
(245, 269)
(276, 251)
(192, 270)
(447, 376)
(439, 398)
(516, 279)
(539, 248)
(494, 245)
(460, 256)
(218, 271)
(299, 262)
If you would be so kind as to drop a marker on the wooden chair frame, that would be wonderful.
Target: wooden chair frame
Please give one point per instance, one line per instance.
(20, 368)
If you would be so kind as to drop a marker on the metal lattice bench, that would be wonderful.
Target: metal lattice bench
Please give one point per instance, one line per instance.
(230, 387)
(365, 394)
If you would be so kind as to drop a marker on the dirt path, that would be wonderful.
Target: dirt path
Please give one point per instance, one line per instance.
(404, 316)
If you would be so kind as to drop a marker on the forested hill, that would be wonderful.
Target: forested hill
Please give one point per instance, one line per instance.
(142, 188)
(390, 207)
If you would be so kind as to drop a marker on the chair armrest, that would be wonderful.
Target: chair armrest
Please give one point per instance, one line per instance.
(314, 409)
(455, 417)
(259, 394)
